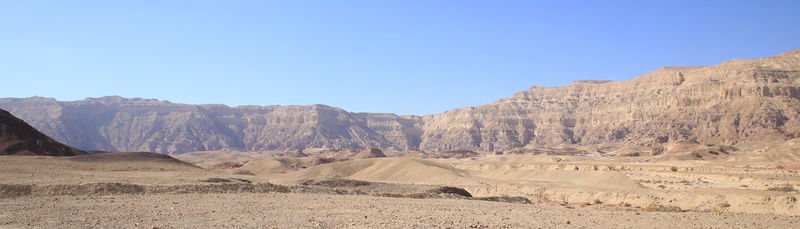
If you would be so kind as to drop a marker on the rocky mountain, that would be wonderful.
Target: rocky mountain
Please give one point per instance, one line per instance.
(19, 138)
(121, 124)
(736, 101)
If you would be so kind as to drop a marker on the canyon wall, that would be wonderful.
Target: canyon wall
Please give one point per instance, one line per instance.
(732, 102)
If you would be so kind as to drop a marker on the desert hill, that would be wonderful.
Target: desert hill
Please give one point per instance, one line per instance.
(19, 138)
(738, 101)
(129, 158)
(390, 170)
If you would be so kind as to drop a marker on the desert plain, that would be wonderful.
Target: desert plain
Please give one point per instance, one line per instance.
(252, 190)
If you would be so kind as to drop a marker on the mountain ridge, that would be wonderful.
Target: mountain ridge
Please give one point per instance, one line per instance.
(731, 102)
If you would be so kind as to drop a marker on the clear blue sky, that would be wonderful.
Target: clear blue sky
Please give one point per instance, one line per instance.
(405, 57)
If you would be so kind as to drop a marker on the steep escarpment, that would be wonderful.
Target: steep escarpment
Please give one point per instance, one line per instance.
(19, 138)
(736, 101)
(740, 100)
(121, 124)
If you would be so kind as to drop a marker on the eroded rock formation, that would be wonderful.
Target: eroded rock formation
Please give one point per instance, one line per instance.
(736, 101)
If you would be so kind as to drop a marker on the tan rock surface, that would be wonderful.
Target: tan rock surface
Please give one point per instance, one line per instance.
(733, 102)
(736, 101)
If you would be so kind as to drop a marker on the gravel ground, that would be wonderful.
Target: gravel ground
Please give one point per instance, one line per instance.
(302, 210)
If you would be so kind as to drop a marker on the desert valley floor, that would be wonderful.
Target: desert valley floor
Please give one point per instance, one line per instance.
(292, 210)
(146, 190)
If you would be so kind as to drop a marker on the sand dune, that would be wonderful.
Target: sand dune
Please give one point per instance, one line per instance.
(209, 158)
(391, 170)
(454, 172)
(157, 160)
(572, 181)
(136, 168)
(271, 166)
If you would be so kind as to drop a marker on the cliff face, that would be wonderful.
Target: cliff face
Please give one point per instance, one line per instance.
(121, 124)
(740, 100)
(736, 101)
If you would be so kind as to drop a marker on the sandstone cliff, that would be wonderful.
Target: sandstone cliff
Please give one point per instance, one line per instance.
(736, 101)
(739, 100)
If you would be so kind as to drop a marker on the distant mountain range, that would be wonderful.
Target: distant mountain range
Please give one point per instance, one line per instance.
(732, 102)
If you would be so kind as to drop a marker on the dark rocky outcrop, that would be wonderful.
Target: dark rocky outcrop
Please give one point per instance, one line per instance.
(19, 138)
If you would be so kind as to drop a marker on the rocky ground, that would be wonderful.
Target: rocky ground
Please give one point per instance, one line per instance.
(139, 190)
(293, 210)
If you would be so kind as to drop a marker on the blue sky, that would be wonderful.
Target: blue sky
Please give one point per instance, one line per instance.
(405, 57)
